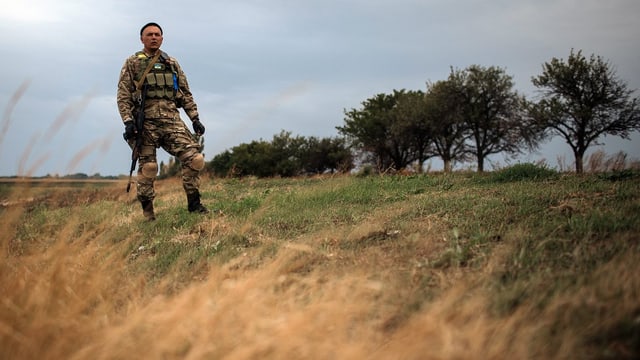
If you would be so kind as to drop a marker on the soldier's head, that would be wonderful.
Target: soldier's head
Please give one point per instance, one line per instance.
(151, 37)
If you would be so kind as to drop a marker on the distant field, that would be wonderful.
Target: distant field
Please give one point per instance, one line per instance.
(54, 182)
(20, 190)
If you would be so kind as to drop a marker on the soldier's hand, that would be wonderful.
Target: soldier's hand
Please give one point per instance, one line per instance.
(198, 127)
(129, 130)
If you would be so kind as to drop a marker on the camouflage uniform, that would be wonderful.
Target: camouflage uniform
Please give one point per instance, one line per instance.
(167, 91)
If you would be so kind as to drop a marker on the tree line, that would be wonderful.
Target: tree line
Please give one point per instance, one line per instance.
(285, 155)
(474, 113)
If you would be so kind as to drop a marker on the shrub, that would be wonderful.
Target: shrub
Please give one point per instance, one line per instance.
(620, 175)
(527, 171)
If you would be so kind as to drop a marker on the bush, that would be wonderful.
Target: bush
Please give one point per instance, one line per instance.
(527, 171)
(620, 175)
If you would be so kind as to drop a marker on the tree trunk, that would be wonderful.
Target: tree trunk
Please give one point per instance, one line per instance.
(480, 164)
(447, 165)
(579, 162)
(420, 165)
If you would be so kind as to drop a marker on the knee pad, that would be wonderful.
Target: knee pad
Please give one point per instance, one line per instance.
(197, 162)
(150, 170)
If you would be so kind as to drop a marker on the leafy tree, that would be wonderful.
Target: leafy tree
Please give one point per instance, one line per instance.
(285, 155)
(170, 170)
(444, 114)
(582, 100)
(77, 176)
(255, 158)
(326, 154)
(493, 111)
(286, 150)
(339, 157)
(370, 130)
(411, 122)
(221, 164)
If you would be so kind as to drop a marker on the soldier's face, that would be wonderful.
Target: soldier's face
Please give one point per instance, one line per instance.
(151, 38)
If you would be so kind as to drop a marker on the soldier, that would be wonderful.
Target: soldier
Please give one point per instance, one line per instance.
(166, 90)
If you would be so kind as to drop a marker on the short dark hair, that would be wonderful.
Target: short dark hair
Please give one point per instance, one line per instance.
(150, 24)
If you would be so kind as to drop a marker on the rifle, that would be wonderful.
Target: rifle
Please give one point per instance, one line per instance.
(141, 92)
(138, 123)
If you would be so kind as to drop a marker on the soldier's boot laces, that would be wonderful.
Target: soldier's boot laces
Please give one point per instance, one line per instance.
(194, 204)
(147, 209)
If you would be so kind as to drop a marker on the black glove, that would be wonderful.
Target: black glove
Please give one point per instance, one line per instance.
(198, 127)
(129, 130)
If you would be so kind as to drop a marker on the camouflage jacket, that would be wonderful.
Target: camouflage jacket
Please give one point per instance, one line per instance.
(132, 69)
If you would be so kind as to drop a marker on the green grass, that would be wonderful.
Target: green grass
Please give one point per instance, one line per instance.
(524, 238)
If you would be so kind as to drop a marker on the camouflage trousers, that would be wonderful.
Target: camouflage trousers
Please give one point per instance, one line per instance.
(174, 137)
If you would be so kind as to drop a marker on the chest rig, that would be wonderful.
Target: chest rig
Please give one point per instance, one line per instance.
(162, 78)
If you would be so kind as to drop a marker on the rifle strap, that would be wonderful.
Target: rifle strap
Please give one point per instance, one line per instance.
(138, 95)
(146, 71)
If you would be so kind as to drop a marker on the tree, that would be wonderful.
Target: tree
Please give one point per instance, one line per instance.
(370, 130)
(285, 155)
(170, 170)
(411, 123)
(255, 158)
(326, 154)
(582, 100)
(493, 112)
(444, 114)
(221, 164)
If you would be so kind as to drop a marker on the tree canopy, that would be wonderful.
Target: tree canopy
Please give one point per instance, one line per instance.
(583, 100)
(447, 126)
(475, 112)
(493, 112)
(285, 155)
(376, 129)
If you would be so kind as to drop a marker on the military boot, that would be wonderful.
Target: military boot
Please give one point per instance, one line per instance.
(147, 208)
(194, 205)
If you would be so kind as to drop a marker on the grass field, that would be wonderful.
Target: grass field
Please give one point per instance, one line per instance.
(521, 263)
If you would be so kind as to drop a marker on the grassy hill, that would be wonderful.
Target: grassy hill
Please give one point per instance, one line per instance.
(522, 263)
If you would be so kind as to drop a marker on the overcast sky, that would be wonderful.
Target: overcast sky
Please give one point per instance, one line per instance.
(258, 67)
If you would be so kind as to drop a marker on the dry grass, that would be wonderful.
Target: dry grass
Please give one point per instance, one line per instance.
(77, 284)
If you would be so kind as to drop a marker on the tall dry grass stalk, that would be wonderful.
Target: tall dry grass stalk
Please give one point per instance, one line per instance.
(11, 104)
(599, 161)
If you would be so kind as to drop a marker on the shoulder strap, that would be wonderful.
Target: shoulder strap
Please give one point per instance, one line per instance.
(146, 71)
